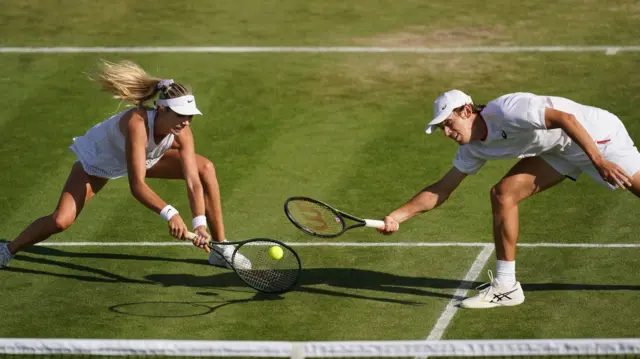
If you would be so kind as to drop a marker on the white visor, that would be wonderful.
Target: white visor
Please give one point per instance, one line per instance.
(183, 105)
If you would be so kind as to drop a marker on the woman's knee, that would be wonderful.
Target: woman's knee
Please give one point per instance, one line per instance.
(206, 170)
(62, 220)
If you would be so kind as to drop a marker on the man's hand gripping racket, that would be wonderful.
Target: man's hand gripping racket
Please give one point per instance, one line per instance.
(321, 220)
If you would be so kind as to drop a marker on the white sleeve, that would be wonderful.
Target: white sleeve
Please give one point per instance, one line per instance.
(535, 112)
(525, 112)
(466, 162)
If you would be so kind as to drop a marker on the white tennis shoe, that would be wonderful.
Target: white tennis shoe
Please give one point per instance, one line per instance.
(221, 256)
(494, 294)
(5, 255)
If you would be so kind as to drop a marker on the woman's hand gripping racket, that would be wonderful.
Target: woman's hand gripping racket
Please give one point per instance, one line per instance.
(266, 265)
(321, 220)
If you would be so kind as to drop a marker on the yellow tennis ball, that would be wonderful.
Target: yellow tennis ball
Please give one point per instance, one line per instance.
(276, 252)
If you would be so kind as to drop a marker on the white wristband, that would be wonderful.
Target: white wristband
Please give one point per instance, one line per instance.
(167, 212)
(199, 221)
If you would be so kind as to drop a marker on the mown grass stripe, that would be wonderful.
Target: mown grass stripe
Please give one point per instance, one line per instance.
(349, 244)
(608, 49)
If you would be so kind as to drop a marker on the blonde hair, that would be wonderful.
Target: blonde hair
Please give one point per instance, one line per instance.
(129, 82)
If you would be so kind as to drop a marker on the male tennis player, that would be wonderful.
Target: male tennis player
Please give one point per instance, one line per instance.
(139, 143)
(555, 138)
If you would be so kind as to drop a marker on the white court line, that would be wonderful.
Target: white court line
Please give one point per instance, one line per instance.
(582, 245)
(451, 308)
(607, 49)
(347, 244)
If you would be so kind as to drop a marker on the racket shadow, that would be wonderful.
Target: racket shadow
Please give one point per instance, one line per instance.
(179, 309)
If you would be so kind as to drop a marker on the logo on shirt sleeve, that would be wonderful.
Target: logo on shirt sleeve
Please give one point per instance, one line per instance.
(504, 134)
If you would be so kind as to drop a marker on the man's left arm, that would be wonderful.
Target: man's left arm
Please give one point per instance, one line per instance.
(610, 171)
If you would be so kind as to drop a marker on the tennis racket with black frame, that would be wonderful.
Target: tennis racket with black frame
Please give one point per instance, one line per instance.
(321, 220)
(257, 268)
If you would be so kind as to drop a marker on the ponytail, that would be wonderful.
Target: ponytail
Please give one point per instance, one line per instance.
(129, 82)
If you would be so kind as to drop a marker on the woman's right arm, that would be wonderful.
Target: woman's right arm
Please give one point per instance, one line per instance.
(135, 133)
(427, 199)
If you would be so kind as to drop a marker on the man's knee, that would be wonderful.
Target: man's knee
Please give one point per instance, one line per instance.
(504, 194)
(635, 184)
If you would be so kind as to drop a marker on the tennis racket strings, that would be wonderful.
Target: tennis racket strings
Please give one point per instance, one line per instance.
(266, 272)
(314, 217)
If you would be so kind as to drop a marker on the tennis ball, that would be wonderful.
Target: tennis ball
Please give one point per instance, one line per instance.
(276, 252)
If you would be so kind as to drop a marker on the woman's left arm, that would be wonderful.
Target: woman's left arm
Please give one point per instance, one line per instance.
(195, 191)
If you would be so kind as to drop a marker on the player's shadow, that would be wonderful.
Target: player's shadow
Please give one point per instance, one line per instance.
(56, 252)
(342, 282)
(343, 278)
(48, 255)
(338, 282)
(337, 278)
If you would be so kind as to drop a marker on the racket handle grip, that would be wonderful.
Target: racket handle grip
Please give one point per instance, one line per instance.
(373, 223)
(191, 236)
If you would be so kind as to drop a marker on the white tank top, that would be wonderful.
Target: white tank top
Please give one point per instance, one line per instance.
(102, 149)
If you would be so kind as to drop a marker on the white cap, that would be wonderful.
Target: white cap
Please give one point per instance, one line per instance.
(183, 105)
(444, 105)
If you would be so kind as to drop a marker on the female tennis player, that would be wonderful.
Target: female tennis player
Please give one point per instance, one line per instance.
(555, 138)
(140, 143)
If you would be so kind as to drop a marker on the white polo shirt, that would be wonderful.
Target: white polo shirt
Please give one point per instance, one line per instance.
(516, 129)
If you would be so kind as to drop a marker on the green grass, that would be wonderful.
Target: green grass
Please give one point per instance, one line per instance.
(571, 293)
(305, 128)
(344, 128)
(174, 293)
(356, 22)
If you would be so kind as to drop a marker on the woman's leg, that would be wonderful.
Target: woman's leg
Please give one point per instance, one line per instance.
(77, 191)
(170, 167)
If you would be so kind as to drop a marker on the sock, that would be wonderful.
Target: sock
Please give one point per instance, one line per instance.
(506, 273)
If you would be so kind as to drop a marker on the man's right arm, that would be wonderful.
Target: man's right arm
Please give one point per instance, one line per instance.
(427, 199)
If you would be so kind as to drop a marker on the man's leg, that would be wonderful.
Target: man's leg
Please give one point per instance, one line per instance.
(528, 177)
(635, 184)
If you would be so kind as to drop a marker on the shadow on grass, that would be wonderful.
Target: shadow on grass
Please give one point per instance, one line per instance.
(361, 279)
(337, 282)
(94, 275)
(55, 252)
(343, 278)
(177, 309)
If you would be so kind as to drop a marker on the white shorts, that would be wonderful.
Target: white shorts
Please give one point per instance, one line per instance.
(615, 145)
